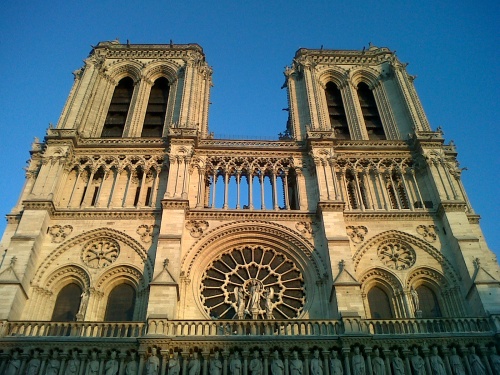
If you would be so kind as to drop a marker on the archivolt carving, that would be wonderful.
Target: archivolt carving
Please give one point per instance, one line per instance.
(428, 232)
(377, 274)
(124, 68)
(336, 75)
(85, 237)
(427, 273)
(72, 271)
(282, 236)
(159, 68)
(364, 74)
(411, 240)
(305, 228)
(128, 272)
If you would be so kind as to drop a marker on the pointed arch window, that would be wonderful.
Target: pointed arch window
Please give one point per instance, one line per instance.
(428, 302)
(121, 304)
(380, 305)
(370, 112)
(118, 109)
(336, 111)
(157, 109)
(67, 303)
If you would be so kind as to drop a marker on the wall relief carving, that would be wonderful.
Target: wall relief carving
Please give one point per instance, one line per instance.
(59, 232)
(196, 227)
(396, 255)
(100, 252)
(428, 232)
(357, 234)
(146, 232)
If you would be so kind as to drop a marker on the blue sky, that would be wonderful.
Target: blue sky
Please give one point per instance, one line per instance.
(452, 47)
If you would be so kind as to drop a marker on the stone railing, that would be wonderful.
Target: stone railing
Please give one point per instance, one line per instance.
(281, 328)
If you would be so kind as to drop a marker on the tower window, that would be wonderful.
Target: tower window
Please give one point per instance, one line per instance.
(157, 108)
(370, 112)
(338, 119)
(428, 302)
(118, 109)
(380, 306)
(121, 304)
(67, 303)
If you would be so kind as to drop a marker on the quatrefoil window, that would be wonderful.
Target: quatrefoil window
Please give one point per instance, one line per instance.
(100, 252)
(396, 255)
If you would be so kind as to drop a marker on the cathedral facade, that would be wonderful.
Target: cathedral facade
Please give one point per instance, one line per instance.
(142, 243)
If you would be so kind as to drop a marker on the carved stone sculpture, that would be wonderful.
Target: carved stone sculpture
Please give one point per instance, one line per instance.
(215, 365)
(336, 364)
(316, 364)
(476, 366)
(296, 366)
(255, 365)
(235, 365)
(33, 365)
(93, 365)
(131, 366)
(112, 365)
(174, 366)
(53, 364)
(457, 367)
(495, 360)
(13, 365)
(398, 366)
(152, 364)
(73, 364)
(194, 365)
(277, 367)
(437, 364)
(417, 362)
(378, 365)
(358, 363)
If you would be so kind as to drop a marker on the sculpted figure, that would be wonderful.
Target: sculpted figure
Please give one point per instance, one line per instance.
(152, 364)
(255, 292)
(174, 365)
(13, 365)
(296, 366)
(33, 365)
(417, 362)
(397, 363)
(93, 365)
(194, 365)
(277, 367)
(84, 301)
(235, 365)
(255, 365)
(240, 302)
(268, 295)
(378, 364)
(112, 365)
(415, 299)
(53, 364)
(457, 367)
(131, 366)
(495, 360)
(73, 364)
(336, 364)
(476, 365)
(216, 365)
(316, 364)
(358, 363)
(437, 364)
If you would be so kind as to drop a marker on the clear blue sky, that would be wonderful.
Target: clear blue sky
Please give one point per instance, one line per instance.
(452, 46)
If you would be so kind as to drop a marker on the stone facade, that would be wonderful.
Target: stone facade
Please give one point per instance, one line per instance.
(141, 243)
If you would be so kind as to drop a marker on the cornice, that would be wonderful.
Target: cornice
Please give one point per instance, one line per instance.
(244, 144)
(121, 142)
(332, 206)
(217, 214)
(373, 55)
(39, 205)
(388, 216)
(122, 214)
(448, 206)
(473, 218)
(175, 204)
(13, 218)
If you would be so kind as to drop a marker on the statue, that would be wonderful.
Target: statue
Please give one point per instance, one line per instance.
(239, 297)
(235, 365)
(255, 365)
(13, 365)
(336, 364)
(316, 364)
(53, 364)
(112, 365)
(476, 366)
(358, 363)
(34, 364)
(73, 364)
(194, 365)
(378, 364)
(93, 365)
(417, 362)
(398, 366)
(152, 363)
(296, 366)
(84, 301)
(437, 364)
(277, 367)
(174, 366)
(495, 360)
(457, 367)
(131, 366)
(216, 365)
(268, 305)
(415, 299)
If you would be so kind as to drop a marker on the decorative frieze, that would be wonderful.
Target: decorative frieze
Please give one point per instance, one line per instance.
(59, 233)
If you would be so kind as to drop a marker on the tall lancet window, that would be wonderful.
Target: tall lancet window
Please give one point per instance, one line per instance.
(157, 108)
(118, 109)
(370, 112)
(338, 119)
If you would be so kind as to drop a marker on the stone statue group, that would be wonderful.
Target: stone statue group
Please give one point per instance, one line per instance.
(252, 305)
(297, 362)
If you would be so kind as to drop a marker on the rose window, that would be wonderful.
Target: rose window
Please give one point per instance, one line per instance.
(396, 255)
(253, 283)
(100, 252)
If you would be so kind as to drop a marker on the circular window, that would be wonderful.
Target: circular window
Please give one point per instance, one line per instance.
(253, 283)
(100, 252)
(396, 255)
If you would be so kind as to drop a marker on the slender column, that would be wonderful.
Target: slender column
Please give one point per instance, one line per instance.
(127, 187)
(141, 362)
(426, 359)
(245, 362)
(326, 362)
(101, 363)
(325, 175)
(25, 358)
(185, 179)
(226, 190)
(205, 362)
(450, 180)
(265, 354)
(368, 360)
(224, 366)
(347, 365)
(414, 180)
(369, 187)
(387, 362)
(407, 361)
(154, 189)
(98, 197)
(262, 203)
(250, 190)
(383, 189)
(141, 188)
(275, 192)
(395, 190)
(45, 356)
(436, 164)
(63, 362)
(164, 361)
(284, 180)
(113, 187)
(358, 189)
(238, 180)
(346, 189)
(335, 180)
(87, 189)
(83, 364)
(407, 190)
(200, 198)
(70, 201)
(214, 183)
(122, 363)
